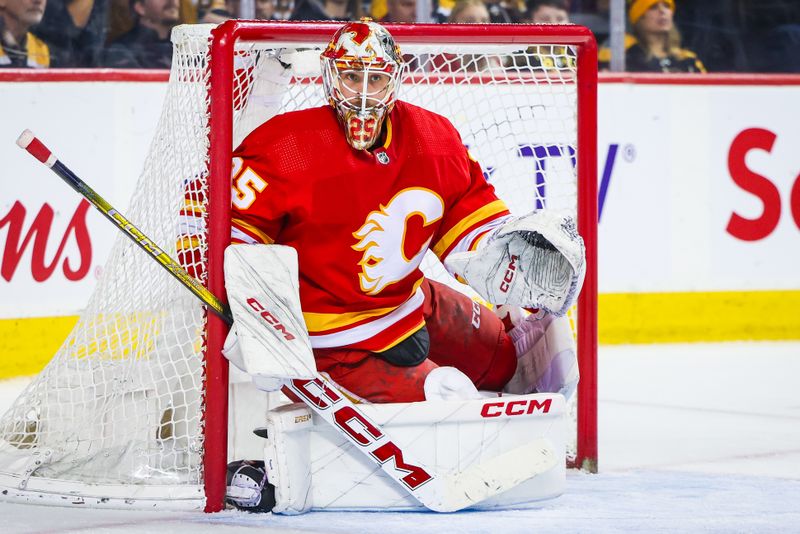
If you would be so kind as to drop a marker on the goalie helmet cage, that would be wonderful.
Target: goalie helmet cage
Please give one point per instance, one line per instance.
(132, 411)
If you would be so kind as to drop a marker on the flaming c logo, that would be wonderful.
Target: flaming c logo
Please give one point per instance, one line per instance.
(395, 237)
(39, 235)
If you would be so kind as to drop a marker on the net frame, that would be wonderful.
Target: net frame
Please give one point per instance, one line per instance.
(224, 40)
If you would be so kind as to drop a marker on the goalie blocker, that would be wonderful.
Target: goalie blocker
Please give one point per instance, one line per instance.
(451, 451)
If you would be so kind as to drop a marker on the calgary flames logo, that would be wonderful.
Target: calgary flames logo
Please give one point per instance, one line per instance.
(362, 44)
(395, 237)
(363, 41)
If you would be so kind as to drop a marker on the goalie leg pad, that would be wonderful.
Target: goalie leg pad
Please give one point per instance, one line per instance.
(449, 384)
(287, 457)
(314, 467)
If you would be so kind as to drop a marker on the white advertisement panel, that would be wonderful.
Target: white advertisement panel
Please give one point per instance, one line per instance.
(699, 187)
(53, 243)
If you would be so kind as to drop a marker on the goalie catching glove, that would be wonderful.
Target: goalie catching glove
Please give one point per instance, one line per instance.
(534, 261)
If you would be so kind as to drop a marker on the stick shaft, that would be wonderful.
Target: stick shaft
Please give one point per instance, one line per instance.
(37, 149)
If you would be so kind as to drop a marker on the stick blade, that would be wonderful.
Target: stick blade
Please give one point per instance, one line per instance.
(502, 473)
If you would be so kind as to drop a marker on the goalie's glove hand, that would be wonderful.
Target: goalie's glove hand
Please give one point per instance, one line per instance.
(248, 488)
(535, 261)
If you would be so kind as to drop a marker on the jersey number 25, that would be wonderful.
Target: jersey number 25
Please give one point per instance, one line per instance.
(246, 183)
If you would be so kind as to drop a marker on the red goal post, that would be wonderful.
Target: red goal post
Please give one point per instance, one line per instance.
(580, 44)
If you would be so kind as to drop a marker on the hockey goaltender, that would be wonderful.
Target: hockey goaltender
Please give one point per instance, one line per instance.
(421, 397)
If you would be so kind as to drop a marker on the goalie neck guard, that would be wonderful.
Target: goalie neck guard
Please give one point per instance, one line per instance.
(361, 71)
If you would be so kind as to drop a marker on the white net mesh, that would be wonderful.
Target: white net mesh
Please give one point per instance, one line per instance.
(120, 405)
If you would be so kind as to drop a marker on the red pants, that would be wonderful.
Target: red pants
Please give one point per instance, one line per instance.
(463, 334)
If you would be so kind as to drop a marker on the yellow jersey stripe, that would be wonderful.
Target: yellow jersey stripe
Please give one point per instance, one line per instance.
(194, 206)
(187, 242)
(320, 322)
(249, 228)
(498, 206)
(367, 330)
(388, 132)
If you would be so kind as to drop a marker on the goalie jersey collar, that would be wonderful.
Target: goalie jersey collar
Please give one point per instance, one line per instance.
(381, 155)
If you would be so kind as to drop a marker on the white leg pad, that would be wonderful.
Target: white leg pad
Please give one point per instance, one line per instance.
(313, 467)
(287, 458)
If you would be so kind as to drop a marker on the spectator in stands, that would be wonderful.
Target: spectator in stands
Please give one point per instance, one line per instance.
(147, 45)
(505, 11)
(18, 46)
(546, 12)
(75, 30)
(548, 57)
(326, 10)
(778, 50)
(594, 15)
(217, 12)
(400, 11)
(770, 35)
(654, 45)
(266, 10)
(468, 12)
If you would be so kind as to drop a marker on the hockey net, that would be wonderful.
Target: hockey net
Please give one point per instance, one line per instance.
(132, 409)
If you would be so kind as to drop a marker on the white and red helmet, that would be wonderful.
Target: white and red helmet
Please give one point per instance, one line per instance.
(361, 72)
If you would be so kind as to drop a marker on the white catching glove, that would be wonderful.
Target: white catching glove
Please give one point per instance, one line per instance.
(535, 261)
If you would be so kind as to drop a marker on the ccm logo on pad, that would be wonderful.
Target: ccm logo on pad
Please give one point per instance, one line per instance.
(515, 407)
(360, 430)
(271, 319)
(511, 270)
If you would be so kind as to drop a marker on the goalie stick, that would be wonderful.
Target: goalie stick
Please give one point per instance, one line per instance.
(440, 492)
(37, 149)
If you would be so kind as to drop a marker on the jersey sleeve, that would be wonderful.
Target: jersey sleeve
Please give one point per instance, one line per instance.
(474, 211)
(190, 229)
(256, 214)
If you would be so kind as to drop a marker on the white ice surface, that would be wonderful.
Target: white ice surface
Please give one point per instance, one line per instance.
(693, 438)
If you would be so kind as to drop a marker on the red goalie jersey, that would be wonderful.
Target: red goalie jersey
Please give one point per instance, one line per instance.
(361, 221)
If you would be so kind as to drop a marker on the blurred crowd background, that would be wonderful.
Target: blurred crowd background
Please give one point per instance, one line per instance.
(650, 35)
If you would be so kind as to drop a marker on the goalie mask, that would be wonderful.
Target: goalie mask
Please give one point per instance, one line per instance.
(361, 71)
